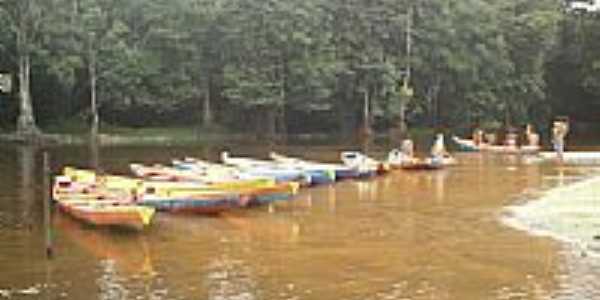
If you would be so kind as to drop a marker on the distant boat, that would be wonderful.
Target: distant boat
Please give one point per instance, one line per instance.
(470, 146)
(466, 144)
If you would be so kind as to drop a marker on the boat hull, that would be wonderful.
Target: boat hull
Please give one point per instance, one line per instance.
(321, 176)
(121, 215)
(194, 204)
(276, 193)
(341, 174)
(469, 146)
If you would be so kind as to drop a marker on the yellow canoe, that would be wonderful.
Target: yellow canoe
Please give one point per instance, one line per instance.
(129, 184)
(109, 213)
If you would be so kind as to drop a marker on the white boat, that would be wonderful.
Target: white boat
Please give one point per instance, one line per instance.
(362, 162)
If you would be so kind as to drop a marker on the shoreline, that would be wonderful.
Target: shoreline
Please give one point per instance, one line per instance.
(569, 214)
(180, 136)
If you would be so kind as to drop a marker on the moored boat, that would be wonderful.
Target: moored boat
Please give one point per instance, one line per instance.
(398, 160)
(201, 203)
(178, 196)
(340, 171)
(422, 164)
(466, 144)
(108, 213)
(261, 168)
(367, 166)
(469, 145)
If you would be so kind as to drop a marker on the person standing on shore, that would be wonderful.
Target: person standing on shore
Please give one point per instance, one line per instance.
(560, 129)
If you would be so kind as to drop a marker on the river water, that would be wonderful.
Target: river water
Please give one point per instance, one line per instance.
(419, 235)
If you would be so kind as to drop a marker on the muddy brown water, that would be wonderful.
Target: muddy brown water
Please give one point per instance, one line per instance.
(407, 235)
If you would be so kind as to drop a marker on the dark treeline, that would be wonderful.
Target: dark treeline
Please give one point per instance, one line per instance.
(290, 66)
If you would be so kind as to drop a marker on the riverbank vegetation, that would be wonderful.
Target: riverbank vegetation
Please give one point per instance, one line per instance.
(291, 67)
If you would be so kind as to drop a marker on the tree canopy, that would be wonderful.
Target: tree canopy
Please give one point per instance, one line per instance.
(283, 66)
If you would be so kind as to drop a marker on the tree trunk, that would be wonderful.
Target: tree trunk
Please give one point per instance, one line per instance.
(365, 131)
(26, 121)
(408, 72)
(432, 95)
(93, 101)
(366, 113)
(271, 122)
(402, 116)
(95, 155)
(346, 115)
(281, 121)
(281, 111)
(507, 119)
(207, 115)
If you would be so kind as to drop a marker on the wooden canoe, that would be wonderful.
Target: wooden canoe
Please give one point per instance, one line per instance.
(421, 165)
(334, 171)
(260, 168)
(200, 203)
(234, 194)
(172, 196)
(109, 213)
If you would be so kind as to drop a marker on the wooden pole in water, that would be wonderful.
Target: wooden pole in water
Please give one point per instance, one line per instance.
(47, 207)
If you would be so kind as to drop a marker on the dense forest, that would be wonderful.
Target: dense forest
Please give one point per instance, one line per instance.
(296, 66)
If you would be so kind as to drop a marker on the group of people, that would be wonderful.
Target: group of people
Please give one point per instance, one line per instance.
(560, 129)
(531, 142)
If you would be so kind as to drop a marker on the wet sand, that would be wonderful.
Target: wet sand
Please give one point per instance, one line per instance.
(569, 212)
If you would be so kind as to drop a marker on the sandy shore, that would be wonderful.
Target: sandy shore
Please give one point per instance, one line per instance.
(570, 213)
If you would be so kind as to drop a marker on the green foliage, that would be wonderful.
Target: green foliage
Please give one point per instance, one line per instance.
(473, 61)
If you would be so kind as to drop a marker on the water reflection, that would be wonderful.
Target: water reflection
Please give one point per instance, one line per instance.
(27, 191)
(94, 155)
(110, 283)
(124, 264)
(331, 199)
(413, 235)
(230, 279)
(581, 278)
(259, 229)
(129, 252)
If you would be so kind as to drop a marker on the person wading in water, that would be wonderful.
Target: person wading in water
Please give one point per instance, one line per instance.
(560, 129)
